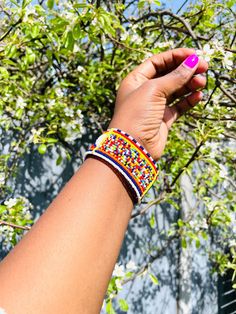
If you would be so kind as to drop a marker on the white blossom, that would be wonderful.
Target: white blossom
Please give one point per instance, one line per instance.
(59, 92)
(227, 61)
(223, 172)
(80, 68)
(20, 103)
(204, 224)
(225, 184)
(133, 26)
(118, 284)
(6, 237)
(191, 223)
(124, 36)
(29, 10)
(72, 135)
(63, 4)
(219, 46)
(79, 113)
(76, 48)
(11, 202)
(229, 124)
(232, 243)
(69, 112)
(94, 22)
(165, 44)
(131, 265)
(136, 38)
(213, 148)
(35, 134)
(30, 113)
(69, 15)
(206, 52)
(51, 103)
(118, 271)
(211, 206)
(2, 178)
(111, 295)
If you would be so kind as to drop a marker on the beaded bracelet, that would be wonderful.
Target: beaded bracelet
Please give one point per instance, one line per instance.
(128, 159)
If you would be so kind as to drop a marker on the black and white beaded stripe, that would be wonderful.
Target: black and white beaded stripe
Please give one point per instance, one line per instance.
(93, 152)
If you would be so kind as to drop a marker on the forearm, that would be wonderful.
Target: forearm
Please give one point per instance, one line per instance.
(64, 263)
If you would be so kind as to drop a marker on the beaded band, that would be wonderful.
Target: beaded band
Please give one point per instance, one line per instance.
(128, 159)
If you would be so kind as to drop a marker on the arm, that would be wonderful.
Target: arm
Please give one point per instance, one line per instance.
(64, 263)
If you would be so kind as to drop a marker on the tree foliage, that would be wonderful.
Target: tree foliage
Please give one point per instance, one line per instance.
(61, 63)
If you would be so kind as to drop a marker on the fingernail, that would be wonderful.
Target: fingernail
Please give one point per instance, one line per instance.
(191, 61)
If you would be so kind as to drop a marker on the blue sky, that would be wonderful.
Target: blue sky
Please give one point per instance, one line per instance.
(175, 4)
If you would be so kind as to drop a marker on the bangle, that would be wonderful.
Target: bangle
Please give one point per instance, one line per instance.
(134, 166)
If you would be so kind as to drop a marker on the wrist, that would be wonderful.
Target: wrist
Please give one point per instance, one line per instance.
(128, 128)
(128, 159)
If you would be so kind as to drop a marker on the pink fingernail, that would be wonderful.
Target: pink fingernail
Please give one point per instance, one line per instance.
(191, 61)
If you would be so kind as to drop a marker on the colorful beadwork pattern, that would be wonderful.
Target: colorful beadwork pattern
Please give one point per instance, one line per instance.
(130, 158)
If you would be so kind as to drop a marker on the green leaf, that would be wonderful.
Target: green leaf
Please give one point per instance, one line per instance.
(50, 4)
(204, 235)
(183, 243)
(35, 30)
(154, 279)
(197, 243)
(76, 31)
(59, 160)
(2, 208)
(152, 221)
(180, 222)
(25, 3)
(52, 140)
(80, 5)
(123, 305)
(141, 4)
(19, 113)
(4, 73)
(69, 43)
(10, 51)
(42, 149)
(106, 21)
(15, 2)
(109, 308)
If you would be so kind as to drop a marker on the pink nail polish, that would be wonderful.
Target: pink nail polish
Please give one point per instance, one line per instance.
(191, 61)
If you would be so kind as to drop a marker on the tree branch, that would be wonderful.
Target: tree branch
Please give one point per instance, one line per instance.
(154, 202)
(194, 155)
(10, 29)
(179, 18)
(6, 223)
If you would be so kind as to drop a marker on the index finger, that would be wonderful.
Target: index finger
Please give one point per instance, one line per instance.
(162, 63)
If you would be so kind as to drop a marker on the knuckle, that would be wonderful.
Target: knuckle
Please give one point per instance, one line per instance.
(182, 74)
(155, 86)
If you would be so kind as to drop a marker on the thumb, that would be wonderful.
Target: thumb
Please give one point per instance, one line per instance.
(175, 80)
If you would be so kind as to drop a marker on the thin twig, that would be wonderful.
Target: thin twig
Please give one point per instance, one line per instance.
(10, 29)
(6, 223)
(179, 18)
(194, 155)
(154, 202)
(231, 97)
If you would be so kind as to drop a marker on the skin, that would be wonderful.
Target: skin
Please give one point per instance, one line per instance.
(64, 263)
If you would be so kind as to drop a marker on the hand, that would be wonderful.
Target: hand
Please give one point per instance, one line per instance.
(142, 105)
